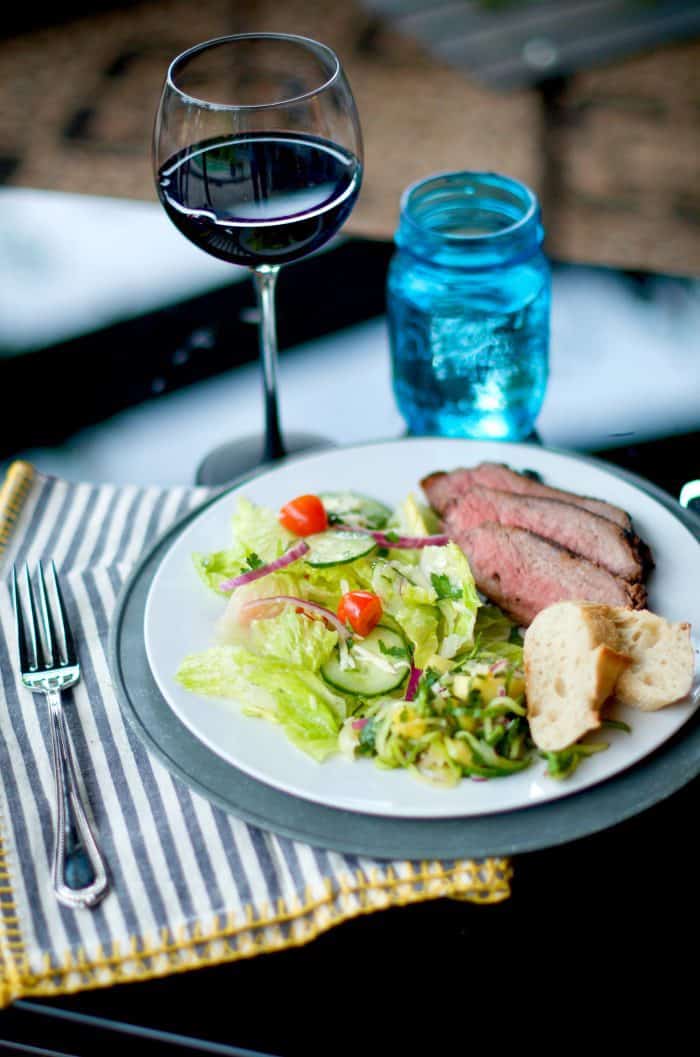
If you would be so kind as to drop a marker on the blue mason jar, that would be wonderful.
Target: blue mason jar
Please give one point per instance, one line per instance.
(468, 296)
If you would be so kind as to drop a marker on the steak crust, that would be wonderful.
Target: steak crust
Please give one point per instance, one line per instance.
(441, 488)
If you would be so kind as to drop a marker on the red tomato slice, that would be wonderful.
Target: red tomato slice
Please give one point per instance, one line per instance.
(362, 610)
(304, 515)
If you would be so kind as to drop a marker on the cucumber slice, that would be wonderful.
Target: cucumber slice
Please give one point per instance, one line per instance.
(376, 671)
(356, 509)
(337, 548)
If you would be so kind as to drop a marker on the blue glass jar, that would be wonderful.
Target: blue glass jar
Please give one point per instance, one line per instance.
(468, 297)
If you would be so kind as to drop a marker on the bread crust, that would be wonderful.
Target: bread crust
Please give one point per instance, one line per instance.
(571, 666)
(662, 659)
(578, 656)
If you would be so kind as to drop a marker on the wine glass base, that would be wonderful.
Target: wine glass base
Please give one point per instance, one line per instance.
(238, 457)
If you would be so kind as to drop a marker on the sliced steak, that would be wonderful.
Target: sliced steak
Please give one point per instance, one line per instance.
(440, 488)
(523, 573)
(580, 531)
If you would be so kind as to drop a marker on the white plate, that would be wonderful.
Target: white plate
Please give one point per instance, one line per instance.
(180, 616)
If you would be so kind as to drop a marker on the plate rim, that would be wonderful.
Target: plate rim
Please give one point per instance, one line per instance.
(525, 828)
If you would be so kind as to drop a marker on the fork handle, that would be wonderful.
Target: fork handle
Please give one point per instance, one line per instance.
(79, 872)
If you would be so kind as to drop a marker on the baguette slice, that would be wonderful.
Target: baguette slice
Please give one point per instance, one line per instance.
(572, 664)
(663, 659)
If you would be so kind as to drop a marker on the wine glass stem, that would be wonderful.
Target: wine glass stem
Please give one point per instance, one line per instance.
(265, 281)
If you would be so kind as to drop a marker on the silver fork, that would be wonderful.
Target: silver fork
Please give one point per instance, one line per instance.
(49, 665)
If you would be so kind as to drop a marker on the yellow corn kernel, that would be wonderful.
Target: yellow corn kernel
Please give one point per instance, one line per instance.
(412, 726)
(488, 686)
(438, 663)
(461, 684)
(516, 685)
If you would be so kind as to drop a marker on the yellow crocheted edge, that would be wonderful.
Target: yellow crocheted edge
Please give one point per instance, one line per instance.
(261, 931)
(13, 492)
(13, 960)
(285, 927)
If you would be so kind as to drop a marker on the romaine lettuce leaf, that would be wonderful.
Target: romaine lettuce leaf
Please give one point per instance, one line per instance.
(310, 713)
(292, 637)
(256, 529)
(432, 594)
(496, 636)
(412, 605)
(447, 570)
(326, 584)
(492, 625)
(233, 625)
(217, 566)
(412, 518)
(258, 538)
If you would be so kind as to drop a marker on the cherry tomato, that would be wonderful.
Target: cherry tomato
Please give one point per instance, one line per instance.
(304, 515)
(362, 610)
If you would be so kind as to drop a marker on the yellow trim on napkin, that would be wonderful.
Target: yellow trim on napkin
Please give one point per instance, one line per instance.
(273, 929)
(14, 970)
(231, 938)
(13, 492)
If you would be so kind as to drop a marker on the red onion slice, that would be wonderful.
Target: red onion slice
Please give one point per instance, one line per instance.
(295, 552)
(498, 667)
(313, 608)
(413, 680)
(358, 724)
(400, 542)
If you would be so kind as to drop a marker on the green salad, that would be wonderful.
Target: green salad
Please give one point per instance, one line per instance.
(363, 633)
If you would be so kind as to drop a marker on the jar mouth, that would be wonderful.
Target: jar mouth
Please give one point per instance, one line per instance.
(468, 208)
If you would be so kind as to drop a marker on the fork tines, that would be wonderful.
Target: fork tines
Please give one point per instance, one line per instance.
(39, 644)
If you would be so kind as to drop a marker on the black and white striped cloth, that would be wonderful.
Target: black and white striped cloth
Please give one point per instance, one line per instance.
(191, 884)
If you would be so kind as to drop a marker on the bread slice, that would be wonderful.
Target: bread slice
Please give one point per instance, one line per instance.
(571, 667)
(663, 659)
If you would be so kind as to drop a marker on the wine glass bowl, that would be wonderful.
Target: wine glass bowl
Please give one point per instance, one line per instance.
(258, 161)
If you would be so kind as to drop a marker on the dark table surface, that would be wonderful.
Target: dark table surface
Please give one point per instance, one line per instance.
(587, 923)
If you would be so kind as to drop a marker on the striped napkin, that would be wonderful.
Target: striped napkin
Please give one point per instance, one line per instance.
(191, 884)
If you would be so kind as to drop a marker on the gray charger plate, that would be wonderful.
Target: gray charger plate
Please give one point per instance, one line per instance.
(651, 780)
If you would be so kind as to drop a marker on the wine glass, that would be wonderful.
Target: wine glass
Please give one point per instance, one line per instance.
(258, 161)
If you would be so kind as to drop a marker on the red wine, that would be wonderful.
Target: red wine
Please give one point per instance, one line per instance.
(260, 198)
